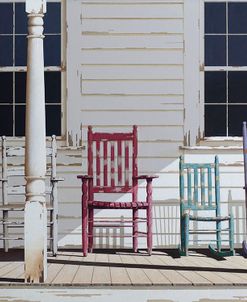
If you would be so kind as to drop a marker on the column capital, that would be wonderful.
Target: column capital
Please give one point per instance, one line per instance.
(36, 6)
(35, 25)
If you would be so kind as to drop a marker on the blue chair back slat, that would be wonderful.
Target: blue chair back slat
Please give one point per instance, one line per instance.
(210, 190)
(203, 188)
(181, 180)
(195, 185)
(189, 186)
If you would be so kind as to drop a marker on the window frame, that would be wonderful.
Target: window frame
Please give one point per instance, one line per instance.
(204, 68)
(62, 69)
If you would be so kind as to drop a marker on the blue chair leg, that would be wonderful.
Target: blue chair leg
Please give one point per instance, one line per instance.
(186, 232)
(218, 235)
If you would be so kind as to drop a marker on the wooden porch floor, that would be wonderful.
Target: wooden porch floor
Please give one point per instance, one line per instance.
(123, 268)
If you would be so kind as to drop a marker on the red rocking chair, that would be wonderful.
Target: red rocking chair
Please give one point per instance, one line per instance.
(114, 157)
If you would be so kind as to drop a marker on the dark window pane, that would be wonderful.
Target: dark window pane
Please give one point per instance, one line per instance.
(215, 86)
(6, 87)
(215, 120)
(237, 88)
(6, 51)
(215, 18)
(237, 17)
(53, 120)
(236, 116)
(20, 120)
(6, 120)
(20, 51)
(52, 50)
(53, 87)
(20, 87)
(20, 19)
(237, 50)
(215, 50)
(52, 19)
(6, 18)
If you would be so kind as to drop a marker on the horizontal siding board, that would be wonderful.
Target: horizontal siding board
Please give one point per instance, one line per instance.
(163, 134)
(167, 26)
(131, 57)
(127, 103)
(145, 72)
(132, 87)
(129, 2)
(131, 41)
(123, 102)
(165, 10)
(143, 118)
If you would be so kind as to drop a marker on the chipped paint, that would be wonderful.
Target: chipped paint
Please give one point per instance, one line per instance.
(70, 138)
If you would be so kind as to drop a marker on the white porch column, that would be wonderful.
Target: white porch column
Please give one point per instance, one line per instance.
(35, 157)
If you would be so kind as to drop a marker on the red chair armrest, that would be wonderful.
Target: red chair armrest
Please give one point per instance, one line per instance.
(146, 177)
(84, 177)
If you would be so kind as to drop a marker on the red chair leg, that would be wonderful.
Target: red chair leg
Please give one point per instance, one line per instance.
(135, 230)
(90, 229)
(149, 230)
(84, 232)
(84, 219)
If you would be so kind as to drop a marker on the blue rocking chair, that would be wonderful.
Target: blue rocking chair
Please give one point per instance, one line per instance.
(196, 196)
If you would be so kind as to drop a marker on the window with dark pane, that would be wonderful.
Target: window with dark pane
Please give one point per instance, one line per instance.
(225, 89)
(237, 87)
(215, 18)
(13, 56)
(215, 120)
(215, 87)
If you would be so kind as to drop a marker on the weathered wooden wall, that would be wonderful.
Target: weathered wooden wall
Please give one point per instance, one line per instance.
(128, 63)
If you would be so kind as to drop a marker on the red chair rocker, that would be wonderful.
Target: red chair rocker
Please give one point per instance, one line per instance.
(114, 157)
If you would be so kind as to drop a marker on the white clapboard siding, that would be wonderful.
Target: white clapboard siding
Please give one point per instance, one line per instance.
(132, 72)
(132, 87)
(145, 133)
(133, 11)
(132, 26)
(140, 118)
(131, 56)
(123, 102)
(150, 41)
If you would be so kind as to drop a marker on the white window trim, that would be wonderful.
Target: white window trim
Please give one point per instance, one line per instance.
(235, 140)
(63, 69)
(194, 81)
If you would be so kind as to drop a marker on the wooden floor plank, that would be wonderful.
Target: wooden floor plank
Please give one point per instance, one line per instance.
(101, 273)
(136, 275)
(8, 268)
(230, 277)
(67, 273)
(173, 276)
(84, 273)
(16, 273)
(206, 271)
(134, 269)
(189, 274)
(156, 277)
(119, 275)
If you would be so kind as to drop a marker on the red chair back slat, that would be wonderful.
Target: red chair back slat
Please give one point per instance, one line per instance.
(126, 172)
(109, 160)
(105, 165)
